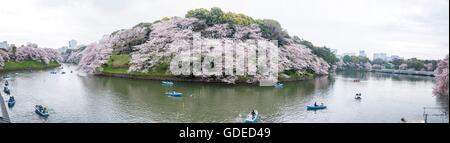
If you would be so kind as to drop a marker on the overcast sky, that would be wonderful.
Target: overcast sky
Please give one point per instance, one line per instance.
(409, 28)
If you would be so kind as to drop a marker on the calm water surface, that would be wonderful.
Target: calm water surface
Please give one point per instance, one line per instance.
(72, 97)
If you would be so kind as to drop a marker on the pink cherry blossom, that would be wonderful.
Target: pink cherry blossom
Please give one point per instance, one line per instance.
(441, 73)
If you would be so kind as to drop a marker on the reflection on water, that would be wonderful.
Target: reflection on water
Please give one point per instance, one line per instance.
(74, 98)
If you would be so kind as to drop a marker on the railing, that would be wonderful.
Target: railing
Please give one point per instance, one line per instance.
(436, 112)
(4, 118)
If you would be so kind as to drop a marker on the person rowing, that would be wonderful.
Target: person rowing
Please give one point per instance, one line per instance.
(253, 113)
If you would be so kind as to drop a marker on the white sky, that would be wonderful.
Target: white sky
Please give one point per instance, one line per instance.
(409, 28)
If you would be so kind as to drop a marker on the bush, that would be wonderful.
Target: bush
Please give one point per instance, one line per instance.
(217, 16)
(272, 30)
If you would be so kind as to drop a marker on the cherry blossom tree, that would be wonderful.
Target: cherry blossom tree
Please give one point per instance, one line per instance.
(32, 52)
(96, 54)
(442, 85)
(4, 57)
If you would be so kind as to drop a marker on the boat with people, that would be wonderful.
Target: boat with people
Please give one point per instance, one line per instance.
(53, 72)
(252, 117)
(169, 83)
(174, 94)
(316, 107)
(41, 110)
(6, 77)
(358, 96)
(11, 101)
(278, 85)
(6, 90)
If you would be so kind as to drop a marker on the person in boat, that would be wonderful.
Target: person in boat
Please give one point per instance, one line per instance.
(315, 103)
(39, 107)
(253, 113)
(11, 98)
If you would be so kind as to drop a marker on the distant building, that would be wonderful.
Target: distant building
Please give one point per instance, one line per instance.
(362, 53)
(394, 57)
(72, 44)
(63, 49)
(4, 45)
(381, 56)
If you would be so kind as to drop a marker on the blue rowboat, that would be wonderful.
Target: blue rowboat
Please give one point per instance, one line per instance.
(250, 118)
(39, 110)
(175, 94)
(11, 103)
(169, 83)
(316, 107)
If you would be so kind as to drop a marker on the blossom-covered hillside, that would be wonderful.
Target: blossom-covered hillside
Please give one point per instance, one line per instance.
(29, 52)
(145, 48)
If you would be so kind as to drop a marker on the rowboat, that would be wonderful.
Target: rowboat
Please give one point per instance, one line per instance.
(316, 107)
(251, 118)
(167, 83)
(175, 94)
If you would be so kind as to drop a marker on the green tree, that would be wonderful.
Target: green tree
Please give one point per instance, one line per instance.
(347, 59)
(239, 19)
(415, 64)
(200, 13)
(397, 63)
(271, 29)
(326, 54)
(13, 51)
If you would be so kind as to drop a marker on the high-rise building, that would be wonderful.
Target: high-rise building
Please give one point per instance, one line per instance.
(4, 45)
(72, 44)
(394, 57)
(381, 56)
(362, 53)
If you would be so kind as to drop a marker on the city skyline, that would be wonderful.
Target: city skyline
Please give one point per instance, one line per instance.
(414, 28)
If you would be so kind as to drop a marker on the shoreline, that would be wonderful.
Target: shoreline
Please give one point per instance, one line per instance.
(196, 80)
(395, 72)
(405, 72)
(32, 66)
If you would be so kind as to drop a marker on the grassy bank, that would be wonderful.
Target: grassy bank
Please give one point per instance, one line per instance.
(118, 64)
(27, 65)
